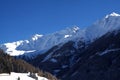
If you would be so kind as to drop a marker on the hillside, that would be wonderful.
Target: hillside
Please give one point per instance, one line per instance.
(9, 64)
(99, 61)
(67, 61)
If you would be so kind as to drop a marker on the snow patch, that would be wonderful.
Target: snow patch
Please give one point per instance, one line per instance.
(75, 29)
(75, 73)
(36, 36)
(67, 36)
(107, 51)
(53, 60)
(47, 57)
(15, 76)
(112, 14)
(64, 66)
(42, 43)
(57, 70)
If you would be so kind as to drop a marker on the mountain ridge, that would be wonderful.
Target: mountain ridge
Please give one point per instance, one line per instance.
(73, 51)
(25, 46)
(64, 61)
(42, 43)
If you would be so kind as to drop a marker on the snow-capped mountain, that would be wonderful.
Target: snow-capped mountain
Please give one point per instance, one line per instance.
(99, 61)
(112, 14)
(47, 41)
(75, 52)
(109, 23)
(94, 56)
(39, 44)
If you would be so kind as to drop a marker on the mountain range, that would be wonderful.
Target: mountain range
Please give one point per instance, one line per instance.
(91, 53)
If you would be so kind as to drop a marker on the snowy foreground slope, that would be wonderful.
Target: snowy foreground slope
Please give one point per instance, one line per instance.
(15, 76)
(41, 43)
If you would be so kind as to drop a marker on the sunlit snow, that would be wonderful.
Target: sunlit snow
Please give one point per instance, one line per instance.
(15, 76)
(112, 14)
(108, 51)
(67, 36)
(43, 43)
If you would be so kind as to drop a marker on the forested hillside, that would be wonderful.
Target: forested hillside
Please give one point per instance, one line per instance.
(9, 64)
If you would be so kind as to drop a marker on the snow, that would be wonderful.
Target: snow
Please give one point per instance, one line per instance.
(107, 51)
(36, 36)
(11, 48)
(40, 43)
(102, 26)
(57, 70)
(47, 57)
(26, 41)
(67, 36)
(64, 66)
(53, 60)
(112, 14)
(75, 73)
(22, 76)
(75, 29)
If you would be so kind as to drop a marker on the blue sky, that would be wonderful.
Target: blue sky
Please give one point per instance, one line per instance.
(20, 19)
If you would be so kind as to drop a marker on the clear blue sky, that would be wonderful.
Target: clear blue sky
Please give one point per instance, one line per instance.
(20, 19)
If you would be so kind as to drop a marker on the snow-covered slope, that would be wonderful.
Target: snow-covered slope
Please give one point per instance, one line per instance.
(99, 28)
(41, 43)
(19, 76)
(10, 48)
(47, 41)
